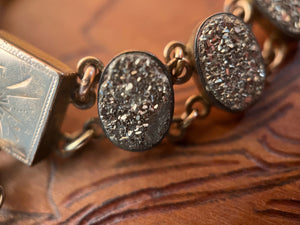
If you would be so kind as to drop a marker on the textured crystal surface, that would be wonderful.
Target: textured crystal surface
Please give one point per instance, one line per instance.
(229, 62)
(135, 101)
(285, 13)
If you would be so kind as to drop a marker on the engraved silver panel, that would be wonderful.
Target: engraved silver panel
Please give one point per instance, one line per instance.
(28, 89)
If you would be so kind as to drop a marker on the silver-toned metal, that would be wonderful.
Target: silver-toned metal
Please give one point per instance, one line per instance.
(34, 94)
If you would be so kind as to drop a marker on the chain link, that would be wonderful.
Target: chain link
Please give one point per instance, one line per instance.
(178, 65)
(275, 48)
(89, 70)
(2, 196)
(275, 51)
(74, 142)
(192, 112)
(240, 8)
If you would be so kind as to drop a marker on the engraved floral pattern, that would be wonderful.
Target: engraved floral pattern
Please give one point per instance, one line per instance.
(5, 107)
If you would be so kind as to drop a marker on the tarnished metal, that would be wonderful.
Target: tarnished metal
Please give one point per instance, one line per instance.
(230, 68)
(74, 142)
(275, 51)
(276, 19)
(281, 16)
(2, 196)
(240, 8)
(89, 70)
(87, 81)
(196, 107)
(178, 65)
(34, 94)
(197, 100)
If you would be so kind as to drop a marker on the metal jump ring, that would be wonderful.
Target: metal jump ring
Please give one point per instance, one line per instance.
(2, 196)
(91, 130)
(241, 8)
(179, 65)
(89, 70)
(191, 102)
(170, 47)
(89, 61)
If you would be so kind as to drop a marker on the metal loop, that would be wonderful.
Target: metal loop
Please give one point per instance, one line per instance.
(240, 8)
(181, 124)
(2, 196)
(88, 102)
(89, 61)
(74, 142)
(176, 133)
(190, 106)
(274, 53)
(187, 121)
(191, 113)
(180, 69)
(178, 65)
(94, 124)
(170, 48)
(89, 70)
(87, 80)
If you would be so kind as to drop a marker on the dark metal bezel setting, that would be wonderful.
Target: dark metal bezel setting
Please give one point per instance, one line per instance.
(199, 76)
(172, 99)
(281, 27)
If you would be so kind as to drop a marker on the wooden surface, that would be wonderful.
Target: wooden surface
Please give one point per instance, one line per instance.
(231, 169)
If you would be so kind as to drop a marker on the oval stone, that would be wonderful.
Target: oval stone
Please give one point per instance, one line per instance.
(285, 14)
(230, 67)
(136, 101)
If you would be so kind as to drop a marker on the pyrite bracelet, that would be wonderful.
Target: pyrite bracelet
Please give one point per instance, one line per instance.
(135, 97)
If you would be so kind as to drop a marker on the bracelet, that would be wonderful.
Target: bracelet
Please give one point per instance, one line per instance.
(135, 97)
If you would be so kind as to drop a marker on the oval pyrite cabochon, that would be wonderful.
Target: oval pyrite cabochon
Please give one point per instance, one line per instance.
(136, 101)
(230, 67)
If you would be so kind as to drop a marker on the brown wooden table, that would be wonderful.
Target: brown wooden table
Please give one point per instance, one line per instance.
(231, 169)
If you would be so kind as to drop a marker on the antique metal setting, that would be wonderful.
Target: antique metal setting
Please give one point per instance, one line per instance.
(279, 19)
(135, 95)
(33, 99)
(273, 15)
(229, 64)
(135, 90)
(136, 101)
(285, 14)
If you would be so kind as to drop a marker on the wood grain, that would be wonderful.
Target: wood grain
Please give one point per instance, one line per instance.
(230, 169)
